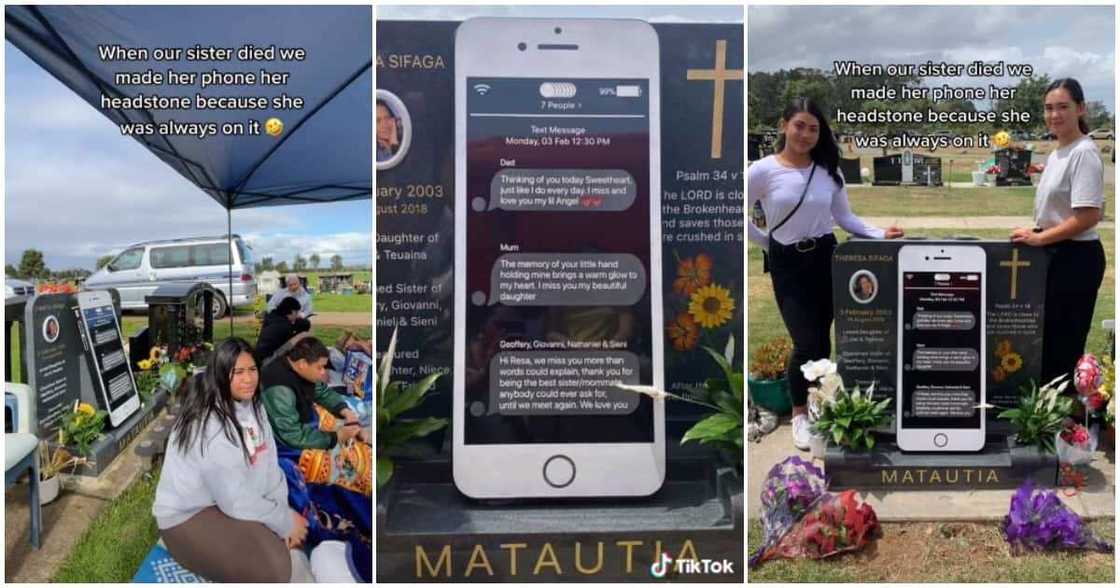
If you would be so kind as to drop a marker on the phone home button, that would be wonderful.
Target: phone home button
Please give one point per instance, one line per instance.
(559, 471)
(941, 439)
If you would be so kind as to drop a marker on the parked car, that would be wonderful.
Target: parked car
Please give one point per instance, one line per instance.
(141, 268)
(14, 287)
(1101, 134)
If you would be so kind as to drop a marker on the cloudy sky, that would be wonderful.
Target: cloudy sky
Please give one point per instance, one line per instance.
(76, 189)
(1058, 41)
(650, 13)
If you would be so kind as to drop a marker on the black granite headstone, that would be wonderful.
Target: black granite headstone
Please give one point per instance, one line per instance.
(54, 356)
(907, 169)
(1013, 163)
(867, 330)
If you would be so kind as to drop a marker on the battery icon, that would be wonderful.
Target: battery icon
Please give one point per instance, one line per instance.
(631, 91)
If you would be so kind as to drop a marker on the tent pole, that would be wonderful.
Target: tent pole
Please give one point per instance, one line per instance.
(229, 235)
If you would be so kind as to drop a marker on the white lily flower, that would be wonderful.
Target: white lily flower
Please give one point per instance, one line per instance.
(652, 392)
(830, 383)
(814, 370)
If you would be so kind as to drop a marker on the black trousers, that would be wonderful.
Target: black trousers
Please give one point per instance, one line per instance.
(1075, 275)
(803, 289)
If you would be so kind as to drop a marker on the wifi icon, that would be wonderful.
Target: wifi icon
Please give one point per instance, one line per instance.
(481, 89)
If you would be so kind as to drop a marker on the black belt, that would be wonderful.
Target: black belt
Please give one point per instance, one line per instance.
(806, 245)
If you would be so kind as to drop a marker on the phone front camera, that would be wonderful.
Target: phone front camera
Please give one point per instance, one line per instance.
(558, 30)
(522, 46)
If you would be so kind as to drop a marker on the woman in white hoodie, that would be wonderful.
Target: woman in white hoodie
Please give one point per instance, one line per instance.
(222, 502)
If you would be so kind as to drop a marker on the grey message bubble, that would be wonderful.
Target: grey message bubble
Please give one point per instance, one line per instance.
(549, 383)
(946, 359)
(944, 320)
(562, 189)
(567, 279)
(943, 401)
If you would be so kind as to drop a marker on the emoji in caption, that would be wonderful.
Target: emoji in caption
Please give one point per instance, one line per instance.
(274, 127)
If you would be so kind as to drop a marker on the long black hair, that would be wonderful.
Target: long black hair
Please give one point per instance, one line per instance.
(1074, 88)
(826, 153)
(210, 395)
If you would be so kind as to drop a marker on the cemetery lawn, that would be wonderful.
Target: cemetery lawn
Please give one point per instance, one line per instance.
(249, 330)
(764, 323)
(956, 202)
(940, 552)
(115, 543)
(341, 303)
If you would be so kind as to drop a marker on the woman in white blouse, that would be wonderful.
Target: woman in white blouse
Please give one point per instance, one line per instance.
(803, 195)
(1068, 204)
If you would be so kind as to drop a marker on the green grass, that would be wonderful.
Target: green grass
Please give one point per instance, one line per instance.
(117, 541)
(359, 276)
(940, 552)
(249, 331)
(892, 201)
(342, 303)
(765, 323)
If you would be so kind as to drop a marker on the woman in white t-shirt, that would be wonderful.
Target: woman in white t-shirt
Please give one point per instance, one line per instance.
(802, 193)
(1068, 204)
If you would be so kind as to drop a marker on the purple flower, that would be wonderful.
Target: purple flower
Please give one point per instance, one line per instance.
(792, 488)
(1039, 521)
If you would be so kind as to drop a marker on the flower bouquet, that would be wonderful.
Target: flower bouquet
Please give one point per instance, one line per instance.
(837, 525)
(801, 519)
(792, 488)
(1039, 521)
(1075, 446)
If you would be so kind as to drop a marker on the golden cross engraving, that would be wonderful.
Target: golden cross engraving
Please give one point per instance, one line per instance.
(1015, 264)
(719, 75)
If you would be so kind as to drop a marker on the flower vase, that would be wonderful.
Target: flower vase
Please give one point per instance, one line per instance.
(817, 445)
(48, 489)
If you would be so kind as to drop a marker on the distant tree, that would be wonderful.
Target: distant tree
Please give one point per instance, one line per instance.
(266, 263)
(299, 263)
(11, 271)
(104, 261)
(1028, 98)
(32, 266)
(282, 267)
(1097, 115)
(314, 259)
(336, 262)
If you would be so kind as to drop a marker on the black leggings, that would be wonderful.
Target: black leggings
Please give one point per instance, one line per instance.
(803, 289)
(1075, 275)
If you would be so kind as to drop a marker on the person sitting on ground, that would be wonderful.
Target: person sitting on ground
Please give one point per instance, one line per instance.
(222, 500)
(294, 289)
(306, 415)
(279, 326)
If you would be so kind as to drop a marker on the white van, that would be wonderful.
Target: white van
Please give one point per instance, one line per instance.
(143, 267)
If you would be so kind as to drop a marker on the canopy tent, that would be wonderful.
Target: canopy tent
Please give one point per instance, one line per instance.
(324, 153)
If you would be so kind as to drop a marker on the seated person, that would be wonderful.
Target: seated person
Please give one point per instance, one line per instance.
(222, 501)
(305, 415)
(294, 289)
(280, 325)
